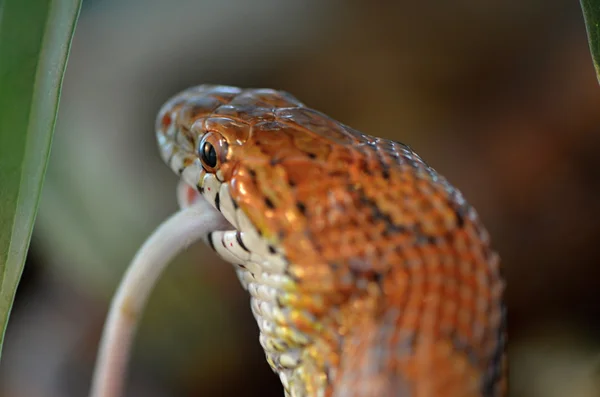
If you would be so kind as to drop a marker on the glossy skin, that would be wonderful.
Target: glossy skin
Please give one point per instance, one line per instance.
(370, 275)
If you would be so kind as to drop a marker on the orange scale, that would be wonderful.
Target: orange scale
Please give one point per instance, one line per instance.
(433, 300)
(466, 266)
(289, 299)
(411, 254)
(468, 285)
(449, 307)
(315, 304)
(467, 298)
(196, 108)
(447, 323)
(461, 242)
(411, 314)
(400, 240)
(397, 283)
(429, 322)
(443, 250)
(450, 304)
(425, 187)
(431, 257)
(303, 321)
(436, 280)
(418, 282)
(443, 349)
(463, 325)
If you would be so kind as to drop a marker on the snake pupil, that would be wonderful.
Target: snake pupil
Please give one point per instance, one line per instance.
(208, 155)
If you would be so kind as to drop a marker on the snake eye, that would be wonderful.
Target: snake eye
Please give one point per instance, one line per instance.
(212, 150)
(208, 155)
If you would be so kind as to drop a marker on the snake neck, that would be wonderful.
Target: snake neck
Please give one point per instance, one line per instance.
(404, 302)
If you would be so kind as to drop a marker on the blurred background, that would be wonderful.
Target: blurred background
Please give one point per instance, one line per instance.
(500, 96)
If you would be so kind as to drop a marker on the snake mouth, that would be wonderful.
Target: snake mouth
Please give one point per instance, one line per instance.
(236, 239)
(188, 196)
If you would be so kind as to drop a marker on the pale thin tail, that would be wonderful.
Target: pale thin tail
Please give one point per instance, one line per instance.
(172, 237)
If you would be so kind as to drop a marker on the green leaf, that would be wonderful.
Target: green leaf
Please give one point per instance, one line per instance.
(35, 37)
(591, 13)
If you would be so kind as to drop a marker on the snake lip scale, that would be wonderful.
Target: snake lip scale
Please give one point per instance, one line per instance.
(369, 273)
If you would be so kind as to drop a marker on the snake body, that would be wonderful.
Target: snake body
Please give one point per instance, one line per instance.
(369, 273)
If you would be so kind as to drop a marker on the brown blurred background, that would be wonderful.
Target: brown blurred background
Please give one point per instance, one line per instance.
(500, 96)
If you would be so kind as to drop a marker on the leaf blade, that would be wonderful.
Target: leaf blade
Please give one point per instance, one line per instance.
(35, 38)
(591, 14)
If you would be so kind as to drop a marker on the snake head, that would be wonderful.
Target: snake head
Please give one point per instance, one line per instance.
(263, 152)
